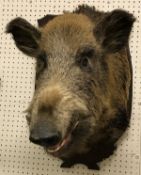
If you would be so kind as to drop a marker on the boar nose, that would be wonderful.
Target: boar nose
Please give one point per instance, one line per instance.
(45, 136)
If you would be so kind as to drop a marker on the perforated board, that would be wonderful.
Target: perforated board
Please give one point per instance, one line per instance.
(17, 155)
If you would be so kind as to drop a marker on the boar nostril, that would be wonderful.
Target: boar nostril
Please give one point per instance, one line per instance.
(49, 139)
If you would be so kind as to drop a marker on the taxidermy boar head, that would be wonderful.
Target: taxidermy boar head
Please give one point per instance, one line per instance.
(81, 104)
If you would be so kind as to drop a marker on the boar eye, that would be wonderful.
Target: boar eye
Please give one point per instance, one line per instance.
(84, 55)
(84, 61)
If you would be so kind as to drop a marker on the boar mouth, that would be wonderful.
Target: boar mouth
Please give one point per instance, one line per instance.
(63, 143)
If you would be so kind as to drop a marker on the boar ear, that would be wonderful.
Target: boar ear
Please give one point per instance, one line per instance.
(26, 36)
(113, 31)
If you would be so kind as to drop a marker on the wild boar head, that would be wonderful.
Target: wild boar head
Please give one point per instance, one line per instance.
(83, 77)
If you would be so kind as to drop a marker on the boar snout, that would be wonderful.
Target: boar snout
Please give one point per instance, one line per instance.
(45, 135)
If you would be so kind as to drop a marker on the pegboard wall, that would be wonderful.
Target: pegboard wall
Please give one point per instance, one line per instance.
(17, 155)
